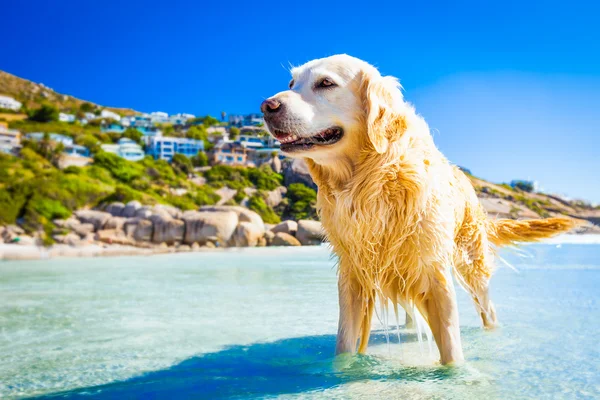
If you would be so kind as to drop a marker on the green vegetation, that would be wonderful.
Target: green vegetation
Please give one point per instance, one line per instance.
(134, 134)
(35, 192)
(302, 202)
(262, 178)
(234, 132)
(524, 186)
(46, 113)
(200, 159)
(182, 164)
(257, 203)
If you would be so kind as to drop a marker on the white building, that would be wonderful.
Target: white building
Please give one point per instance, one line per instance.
(159, 117)
(10, 139)
(180, 119)
(9, 103)
(166, 147)
(55, 137)
(126, 148)
(62, 117)
(110, 114)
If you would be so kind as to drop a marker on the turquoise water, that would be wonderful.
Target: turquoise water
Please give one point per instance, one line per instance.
(260, 323)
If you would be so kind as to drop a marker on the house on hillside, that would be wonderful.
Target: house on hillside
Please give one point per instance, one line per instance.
(112, 127)
(230, 153)
(264, 154)
(110, 114)
(63, 117)
(180, 119)
(9, 103)
(55, 137)
(10, 139)
(246, 120)
(125, 148)
(159, 117)
(165, 147)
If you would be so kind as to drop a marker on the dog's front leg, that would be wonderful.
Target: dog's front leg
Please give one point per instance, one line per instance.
(351, 312)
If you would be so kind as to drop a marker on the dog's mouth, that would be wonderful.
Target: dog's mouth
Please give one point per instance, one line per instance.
(290, 142)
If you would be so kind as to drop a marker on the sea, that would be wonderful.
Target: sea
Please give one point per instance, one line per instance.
(260, 323)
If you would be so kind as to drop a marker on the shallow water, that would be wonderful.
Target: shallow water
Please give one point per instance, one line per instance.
(260, 323)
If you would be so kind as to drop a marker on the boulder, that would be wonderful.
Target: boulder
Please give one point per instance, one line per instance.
(166, 228)
(269, 235)
(289, 227)
(130, 209)
(96, 218)
(275, 164)
(284, 239)
(139, 229)
(195, 246)
(71, 239)
(309, 232)
(115, 223)
(174, 212)
(244, 215)
(82, 229)
(202, 227)
(115, 209)
(274, 197)
(144, 212)
(247, 234)
(296, 171)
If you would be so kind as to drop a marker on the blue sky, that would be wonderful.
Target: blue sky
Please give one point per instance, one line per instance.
(511, 90)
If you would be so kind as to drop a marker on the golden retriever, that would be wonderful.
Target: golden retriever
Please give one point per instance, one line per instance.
(399, 216)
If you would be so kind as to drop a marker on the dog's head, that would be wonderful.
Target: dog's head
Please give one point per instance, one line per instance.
(336, 107)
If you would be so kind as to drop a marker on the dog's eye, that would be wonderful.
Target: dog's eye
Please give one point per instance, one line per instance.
(291, 85)
(325, 83)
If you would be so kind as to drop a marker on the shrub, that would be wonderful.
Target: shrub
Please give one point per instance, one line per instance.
(302, 202)
(45, 113)
(257, 204)
(134, 134)
(123, 170)
(182, 163)
(264, 178)
(200, 159)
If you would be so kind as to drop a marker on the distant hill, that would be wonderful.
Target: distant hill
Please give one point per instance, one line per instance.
(34, 94)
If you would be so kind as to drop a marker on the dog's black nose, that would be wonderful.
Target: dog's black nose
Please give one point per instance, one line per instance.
(270, 106)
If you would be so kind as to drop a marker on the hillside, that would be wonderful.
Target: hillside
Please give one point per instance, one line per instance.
(157, 182)
(502, 201)
(34, 94)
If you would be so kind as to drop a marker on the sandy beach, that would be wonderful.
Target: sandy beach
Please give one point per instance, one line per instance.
(31, 252)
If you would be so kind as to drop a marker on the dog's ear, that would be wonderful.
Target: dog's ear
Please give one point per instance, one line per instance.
(383, 102)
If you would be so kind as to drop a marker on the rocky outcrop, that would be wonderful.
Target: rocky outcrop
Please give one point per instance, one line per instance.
(139, 229)
(167, 229)
(284, 239)
(129, 211)
(244, 215)
(247, 234)
(289, 227)
(115, 223)
(209, 226)
(296, 171)
(115, 209)
(309, 232)
(96, 218)
(274, 197)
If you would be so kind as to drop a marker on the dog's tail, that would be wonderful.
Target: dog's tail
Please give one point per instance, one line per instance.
(502, 232)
